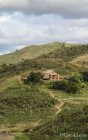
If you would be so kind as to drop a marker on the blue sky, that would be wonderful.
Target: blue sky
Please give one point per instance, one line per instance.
(26, 22)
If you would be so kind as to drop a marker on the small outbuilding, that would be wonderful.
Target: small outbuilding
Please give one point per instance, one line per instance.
(52, 75)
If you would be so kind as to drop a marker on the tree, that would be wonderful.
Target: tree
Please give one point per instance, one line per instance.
(72, 85)
(34, 77)
(75, 83)
(60, 85)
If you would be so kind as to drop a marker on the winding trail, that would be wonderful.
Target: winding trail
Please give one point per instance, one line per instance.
(59, 105)
(61, 102)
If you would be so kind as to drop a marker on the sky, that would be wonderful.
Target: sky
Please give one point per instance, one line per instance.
(26, 22)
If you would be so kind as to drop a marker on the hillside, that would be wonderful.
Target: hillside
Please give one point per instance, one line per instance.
(81, 61)
(66, 126)
(60, 59)
(36, 111)
(52, 55)
(21, 103)
(33, 110)
(29, 52)
(73, 57)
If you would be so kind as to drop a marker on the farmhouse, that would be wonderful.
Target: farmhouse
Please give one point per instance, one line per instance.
(52, 75)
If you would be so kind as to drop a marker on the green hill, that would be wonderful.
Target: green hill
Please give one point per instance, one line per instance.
(49, 55)
(33, 51)
(59, 59)
(29, 52)
(32, 109)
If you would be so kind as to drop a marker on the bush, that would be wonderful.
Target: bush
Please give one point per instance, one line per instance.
(85, 76)
(61, 85)
(34, 77)
(72, 85)
(85, 109)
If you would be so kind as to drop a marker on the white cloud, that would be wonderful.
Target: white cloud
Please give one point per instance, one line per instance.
(5, 18)
(25, 22)
(25, 30)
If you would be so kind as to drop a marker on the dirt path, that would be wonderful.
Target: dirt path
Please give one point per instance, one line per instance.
(65, 99)
(6, 136)
(61, 101)
(59, 105)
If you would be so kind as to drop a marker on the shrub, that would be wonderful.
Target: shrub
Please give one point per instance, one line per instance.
(85, 109)
(34, 77)
(61, 85)
(85, 76)
(72, 85)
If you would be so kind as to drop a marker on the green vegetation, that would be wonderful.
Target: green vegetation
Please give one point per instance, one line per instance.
(24, 104)
(23, 137)
(62, 50)
(29, 52)
(33, 106)
(34, 78)
(71, 85)
(72, 120)
(85, 76)
(35, 111)
(58, 60)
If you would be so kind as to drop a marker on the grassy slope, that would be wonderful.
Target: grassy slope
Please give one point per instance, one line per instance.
(18, 96)
(81, 61)
(68, 53)
(23, 108)
(20, 103)
(14, 94)
(72, 120)
(33, 51)
(60, 60)
(52, 55)
(29, 52)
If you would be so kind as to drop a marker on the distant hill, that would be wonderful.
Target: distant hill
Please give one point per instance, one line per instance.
(29, 52)
(61, 57)
(66, 59)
